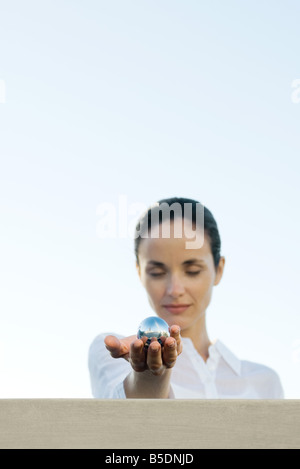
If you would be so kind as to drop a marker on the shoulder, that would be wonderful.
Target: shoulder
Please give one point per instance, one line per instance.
(263, 377)
(254, 368)
(263, 380)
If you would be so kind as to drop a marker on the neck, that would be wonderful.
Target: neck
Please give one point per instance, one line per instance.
(198, 334)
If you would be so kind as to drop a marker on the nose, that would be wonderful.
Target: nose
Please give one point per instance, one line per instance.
(175, 286)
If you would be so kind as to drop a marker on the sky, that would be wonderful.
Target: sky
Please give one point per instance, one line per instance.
(125, 103)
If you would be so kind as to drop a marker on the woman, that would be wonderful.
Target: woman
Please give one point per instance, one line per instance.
(179, 284)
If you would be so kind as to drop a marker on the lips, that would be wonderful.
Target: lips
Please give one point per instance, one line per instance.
(176, 308)
(176, 305)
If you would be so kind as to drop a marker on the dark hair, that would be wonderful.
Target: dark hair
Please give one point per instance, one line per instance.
(210, 225)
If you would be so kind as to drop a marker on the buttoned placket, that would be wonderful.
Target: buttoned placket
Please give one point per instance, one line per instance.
(206, 370)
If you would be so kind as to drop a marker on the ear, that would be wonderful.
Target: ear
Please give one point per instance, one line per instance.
(220, 270)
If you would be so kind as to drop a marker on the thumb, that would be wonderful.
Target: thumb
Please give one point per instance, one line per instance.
(117, 348)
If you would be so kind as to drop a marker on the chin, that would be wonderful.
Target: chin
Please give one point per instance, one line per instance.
(174, 320)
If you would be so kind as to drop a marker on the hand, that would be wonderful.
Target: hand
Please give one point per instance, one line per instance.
(156, 359)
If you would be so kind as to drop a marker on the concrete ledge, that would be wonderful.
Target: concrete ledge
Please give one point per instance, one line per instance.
(149, 424)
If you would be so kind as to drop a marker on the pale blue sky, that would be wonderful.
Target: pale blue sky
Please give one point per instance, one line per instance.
(145, 100)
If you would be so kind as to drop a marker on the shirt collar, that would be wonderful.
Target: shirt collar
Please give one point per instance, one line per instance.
(232, 360)
(218, 348)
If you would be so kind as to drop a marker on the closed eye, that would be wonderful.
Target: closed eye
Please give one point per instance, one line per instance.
(162, 273)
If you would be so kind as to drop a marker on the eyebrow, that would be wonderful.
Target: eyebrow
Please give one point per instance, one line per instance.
(187, 262)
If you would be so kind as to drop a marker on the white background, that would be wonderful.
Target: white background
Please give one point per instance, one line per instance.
(144, 100)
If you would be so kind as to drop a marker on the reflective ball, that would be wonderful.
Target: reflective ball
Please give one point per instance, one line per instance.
(153, 327)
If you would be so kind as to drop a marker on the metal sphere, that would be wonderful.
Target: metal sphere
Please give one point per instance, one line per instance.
(153, 327)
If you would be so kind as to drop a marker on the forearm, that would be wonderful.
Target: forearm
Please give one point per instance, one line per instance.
(143, 385)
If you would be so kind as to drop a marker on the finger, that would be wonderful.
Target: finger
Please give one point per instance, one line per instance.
(137, 355)
(115, 346)
(154, 358)
(162, 340)
(153, 339)
(170, 352)
(175, 332)
(147, 341)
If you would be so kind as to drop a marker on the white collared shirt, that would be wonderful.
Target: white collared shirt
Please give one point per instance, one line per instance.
(222, 376)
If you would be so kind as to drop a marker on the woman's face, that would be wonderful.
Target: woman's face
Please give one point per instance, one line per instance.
(176, 281)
